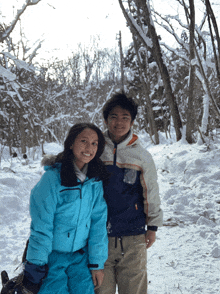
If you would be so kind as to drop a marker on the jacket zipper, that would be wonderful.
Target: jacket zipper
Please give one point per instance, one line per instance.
(80, 196)
(115, 153)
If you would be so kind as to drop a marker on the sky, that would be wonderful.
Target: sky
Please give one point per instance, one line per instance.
(64, 24)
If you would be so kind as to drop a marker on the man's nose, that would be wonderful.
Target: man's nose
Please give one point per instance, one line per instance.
(119, 120)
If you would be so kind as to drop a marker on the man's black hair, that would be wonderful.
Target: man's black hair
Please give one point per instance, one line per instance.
(120, 99)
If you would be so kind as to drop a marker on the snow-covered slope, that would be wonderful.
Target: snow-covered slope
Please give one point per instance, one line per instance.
(186, 256)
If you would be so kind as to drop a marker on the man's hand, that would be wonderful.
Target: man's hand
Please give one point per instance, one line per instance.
(150, 238)
(97, 277)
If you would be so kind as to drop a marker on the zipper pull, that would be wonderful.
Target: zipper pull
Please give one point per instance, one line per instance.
(136, 206)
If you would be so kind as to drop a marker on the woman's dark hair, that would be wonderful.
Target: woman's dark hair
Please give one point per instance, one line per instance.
(120, 99)
(96, 168)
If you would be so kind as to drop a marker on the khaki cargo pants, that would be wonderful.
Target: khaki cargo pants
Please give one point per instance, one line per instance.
(128, 270)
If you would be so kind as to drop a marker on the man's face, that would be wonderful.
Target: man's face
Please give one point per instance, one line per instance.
(118, 123)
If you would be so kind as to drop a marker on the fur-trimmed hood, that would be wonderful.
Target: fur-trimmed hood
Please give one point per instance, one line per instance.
(48, 160)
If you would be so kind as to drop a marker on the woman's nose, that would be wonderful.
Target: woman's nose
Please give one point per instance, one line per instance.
(89, 147)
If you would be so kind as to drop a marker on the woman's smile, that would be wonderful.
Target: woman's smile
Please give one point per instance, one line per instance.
(85, 147)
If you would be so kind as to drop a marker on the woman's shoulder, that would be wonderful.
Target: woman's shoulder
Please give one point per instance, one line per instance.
(51, 168)
(48, 160)
(49, 163)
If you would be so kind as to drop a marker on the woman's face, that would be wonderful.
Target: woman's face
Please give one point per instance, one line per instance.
(85, 147)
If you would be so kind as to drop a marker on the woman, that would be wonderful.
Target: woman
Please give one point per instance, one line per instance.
(68, 212)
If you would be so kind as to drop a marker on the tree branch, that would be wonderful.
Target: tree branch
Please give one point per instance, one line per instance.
(9, 29)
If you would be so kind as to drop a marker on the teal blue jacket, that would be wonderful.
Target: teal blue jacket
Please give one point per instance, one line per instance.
(67, 219)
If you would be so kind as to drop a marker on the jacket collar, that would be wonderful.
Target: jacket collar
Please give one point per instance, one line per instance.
(131, 140)
(81, 174)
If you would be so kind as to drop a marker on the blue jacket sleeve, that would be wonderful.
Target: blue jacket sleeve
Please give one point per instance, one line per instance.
(43, 201)
(34, 273)
(98, 239)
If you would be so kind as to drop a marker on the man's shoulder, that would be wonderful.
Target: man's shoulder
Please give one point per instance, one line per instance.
(137, 147)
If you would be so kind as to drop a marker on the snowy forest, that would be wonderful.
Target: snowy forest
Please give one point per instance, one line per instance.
(171, 67)
(174, 87)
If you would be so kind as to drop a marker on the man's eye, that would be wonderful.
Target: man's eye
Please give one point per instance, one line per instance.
(95, 144)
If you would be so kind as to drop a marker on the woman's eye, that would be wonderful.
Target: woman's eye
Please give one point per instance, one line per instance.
(95, 144)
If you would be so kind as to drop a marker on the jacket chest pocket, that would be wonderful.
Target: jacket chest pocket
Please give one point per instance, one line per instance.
(70, 195)
(69, 207)
(130, 176)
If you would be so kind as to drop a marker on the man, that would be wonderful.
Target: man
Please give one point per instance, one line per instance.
(133, 201)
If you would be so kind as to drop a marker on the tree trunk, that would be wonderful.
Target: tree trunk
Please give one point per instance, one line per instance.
(22, 132)
(156, 52)
(205, 115)
(211, 15)
(190, 110)
(206, 87)
(144, 80)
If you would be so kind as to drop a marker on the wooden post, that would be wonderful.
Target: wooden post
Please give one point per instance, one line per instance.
(122, 60)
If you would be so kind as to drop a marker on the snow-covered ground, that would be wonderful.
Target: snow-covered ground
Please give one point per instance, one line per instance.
(186, 256)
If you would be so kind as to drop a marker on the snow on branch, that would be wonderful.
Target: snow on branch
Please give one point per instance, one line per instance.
(34, 53)
(32, 2)
(53, 97)
(173, 50)
(134, 26)
(10, 28)
(169, 28)
(178, 20)
(19, 63)
(14, 87)
(147, 40)
(5, 73)
(3, 114)
(93, 114)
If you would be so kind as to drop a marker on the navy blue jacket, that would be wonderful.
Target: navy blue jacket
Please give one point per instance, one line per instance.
(125, 203)
(132, 194)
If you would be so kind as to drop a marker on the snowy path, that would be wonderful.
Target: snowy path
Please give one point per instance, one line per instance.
(186, 256)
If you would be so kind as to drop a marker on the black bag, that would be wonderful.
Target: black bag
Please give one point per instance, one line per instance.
(15, 285)
(19, 284)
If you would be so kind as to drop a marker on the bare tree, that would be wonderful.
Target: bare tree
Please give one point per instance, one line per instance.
(5, 31)
(196, 60)
(152, 44)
